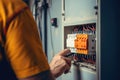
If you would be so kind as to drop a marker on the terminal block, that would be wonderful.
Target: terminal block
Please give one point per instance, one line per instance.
(85, 43)
(81, 43)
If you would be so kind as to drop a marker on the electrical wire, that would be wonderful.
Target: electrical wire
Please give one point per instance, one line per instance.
(39, 16)
(37, 13)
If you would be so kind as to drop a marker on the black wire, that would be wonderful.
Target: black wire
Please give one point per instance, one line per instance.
(45, 6)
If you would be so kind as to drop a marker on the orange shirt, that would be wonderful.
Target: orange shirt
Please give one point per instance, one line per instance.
(23, 46)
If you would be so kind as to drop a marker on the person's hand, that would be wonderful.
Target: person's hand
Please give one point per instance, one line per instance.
(60, 64)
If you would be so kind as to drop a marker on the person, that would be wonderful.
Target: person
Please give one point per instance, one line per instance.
(22, 46)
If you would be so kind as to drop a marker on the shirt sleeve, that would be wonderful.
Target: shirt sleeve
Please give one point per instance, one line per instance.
(23, 46)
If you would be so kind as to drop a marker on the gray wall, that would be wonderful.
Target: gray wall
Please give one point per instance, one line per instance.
(54, 33)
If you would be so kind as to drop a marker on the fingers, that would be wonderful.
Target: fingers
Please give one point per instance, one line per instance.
(60, 64)
(67, 67)
(59, 67)
(68, 60)
(64, 52)
(67, 64)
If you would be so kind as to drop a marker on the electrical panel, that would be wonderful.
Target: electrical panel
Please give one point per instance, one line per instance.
(81, 40)
(80, 37)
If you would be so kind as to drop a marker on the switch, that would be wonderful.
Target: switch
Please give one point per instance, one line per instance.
(54, 22)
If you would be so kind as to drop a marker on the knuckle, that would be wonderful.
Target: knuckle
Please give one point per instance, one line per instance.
(64, 62)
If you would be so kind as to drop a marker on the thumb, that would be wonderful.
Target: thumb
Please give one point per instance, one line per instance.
(64, 52)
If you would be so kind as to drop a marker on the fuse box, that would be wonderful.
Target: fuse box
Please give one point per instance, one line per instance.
(81, 40)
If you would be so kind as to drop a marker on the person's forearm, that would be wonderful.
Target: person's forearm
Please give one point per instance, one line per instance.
(41, 76)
